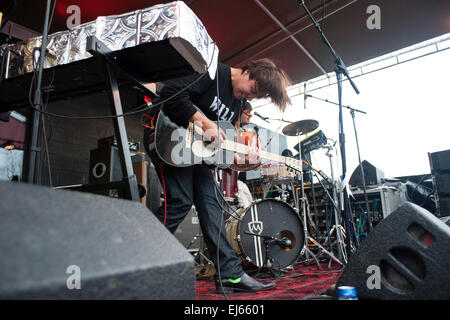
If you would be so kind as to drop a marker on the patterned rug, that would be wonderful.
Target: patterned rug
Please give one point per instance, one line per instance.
(298, 283)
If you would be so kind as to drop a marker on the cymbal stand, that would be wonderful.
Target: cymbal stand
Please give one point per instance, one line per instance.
(309, 255)
(331, 255)
(337, 226)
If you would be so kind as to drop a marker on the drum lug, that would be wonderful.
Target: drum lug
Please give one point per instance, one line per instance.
(238, 238)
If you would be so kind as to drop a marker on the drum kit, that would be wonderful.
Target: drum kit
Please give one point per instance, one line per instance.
(272, 233)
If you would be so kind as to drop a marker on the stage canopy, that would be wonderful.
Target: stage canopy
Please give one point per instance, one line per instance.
(279, 29)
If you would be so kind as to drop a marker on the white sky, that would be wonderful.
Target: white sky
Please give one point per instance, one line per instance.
(407, 116)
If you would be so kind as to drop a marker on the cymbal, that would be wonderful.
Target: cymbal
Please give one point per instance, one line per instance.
(300, 127)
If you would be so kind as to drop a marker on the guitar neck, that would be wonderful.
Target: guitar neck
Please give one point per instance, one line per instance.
(242, 148)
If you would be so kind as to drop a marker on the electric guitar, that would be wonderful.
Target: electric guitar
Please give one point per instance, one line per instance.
(182, 147)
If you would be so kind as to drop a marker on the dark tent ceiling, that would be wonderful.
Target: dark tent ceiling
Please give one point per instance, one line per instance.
(247, 29)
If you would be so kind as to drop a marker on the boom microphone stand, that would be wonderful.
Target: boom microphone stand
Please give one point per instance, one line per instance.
(352, 112)
(340, 69)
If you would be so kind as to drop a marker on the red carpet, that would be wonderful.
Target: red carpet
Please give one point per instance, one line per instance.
(300, 283)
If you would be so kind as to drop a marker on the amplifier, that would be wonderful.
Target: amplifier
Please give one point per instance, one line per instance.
(382, 200)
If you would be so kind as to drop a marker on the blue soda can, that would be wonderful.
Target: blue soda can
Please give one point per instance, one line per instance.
(346, 293)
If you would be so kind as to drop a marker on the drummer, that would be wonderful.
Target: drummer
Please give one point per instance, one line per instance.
(245, 115)
(245, 197)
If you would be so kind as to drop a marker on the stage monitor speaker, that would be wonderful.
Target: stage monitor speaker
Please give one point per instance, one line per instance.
(60, 244)
(410, 250)
(372, 175)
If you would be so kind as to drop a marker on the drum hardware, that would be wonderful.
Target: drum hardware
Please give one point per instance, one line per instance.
(297, 129)
(204, 267)
(340, 232)
(284, 193)
(285, 243)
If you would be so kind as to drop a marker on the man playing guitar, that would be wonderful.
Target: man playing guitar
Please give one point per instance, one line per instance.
(220, 99)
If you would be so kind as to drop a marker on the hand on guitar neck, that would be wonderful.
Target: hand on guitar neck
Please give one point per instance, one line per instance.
(251, 160)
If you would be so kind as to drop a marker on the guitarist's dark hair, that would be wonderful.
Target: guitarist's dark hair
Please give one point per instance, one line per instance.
(271, 81)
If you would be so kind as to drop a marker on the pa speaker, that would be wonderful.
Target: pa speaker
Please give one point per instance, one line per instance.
(404, 257)
(372, 175)
(60, 244)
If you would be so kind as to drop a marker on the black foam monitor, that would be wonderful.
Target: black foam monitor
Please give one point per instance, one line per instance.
(60, 244)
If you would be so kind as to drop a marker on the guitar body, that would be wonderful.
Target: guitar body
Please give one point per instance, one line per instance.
(183, 147)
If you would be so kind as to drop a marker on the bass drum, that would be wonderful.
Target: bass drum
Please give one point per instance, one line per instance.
(269, 217)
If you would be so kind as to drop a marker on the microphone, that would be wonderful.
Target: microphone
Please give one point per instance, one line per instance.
(260, 116)
(325, 177)
(284, 242)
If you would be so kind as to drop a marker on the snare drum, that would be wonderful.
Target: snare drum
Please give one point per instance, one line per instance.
(269, 217)
(277, 171)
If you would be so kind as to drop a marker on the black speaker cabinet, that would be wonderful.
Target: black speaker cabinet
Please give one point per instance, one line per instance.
(408, 252)
(104, 164)
(60, 244)
(105, 167)
(372, 175)
(440, 172)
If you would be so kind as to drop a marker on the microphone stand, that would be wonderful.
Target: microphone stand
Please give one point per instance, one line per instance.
(267, 118)
(340, 70)
(352, 112)
(268, 241)
(31, 159)
(281, 120)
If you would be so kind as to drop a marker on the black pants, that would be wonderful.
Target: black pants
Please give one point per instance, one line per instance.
(195, 185)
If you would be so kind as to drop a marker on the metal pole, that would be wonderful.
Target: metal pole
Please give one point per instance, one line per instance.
(31, 159)
(290, 36)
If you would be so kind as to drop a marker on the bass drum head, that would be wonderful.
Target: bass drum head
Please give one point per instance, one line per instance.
(275, 218)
